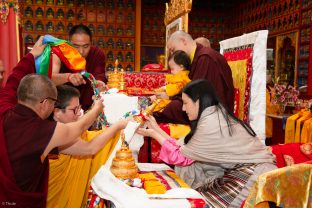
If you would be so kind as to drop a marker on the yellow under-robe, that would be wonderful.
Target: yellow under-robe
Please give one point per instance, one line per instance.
(174, 85)
(70, 176)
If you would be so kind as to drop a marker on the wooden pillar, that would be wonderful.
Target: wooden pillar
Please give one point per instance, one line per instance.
(137, 35)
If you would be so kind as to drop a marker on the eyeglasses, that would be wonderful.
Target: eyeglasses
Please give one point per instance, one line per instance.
(76, 110)
(48, 98)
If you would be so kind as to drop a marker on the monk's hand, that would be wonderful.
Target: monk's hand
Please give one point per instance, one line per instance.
(98, 106)
(122, 123)
(161, 95)
(38, 48)
(101, 85)
(76, 79)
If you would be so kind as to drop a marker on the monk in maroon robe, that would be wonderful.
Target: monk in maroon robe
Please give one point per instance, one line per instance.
(26, 138)
(206, 64)
(81, 38)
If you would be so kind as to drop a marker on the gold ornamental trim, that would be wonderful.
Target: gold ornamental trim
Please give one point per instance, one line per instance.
(176, 9)
(5, 9)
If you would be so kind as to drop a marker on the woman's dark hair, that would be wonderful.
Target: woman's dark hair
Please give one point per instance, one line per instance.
(64, 95)
(181, 58)
(203, 91)
(80, 29)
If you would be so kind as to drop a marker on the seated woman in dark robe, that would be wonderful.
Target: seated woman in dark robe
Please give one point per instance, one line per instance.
(221, 157)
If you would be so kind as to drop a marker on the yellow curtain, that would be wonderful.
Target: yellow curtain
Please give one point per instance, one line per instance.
(69, 176)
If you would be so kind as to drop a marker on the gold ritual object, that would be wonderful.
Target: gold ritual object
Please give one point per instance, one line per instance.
(123, 165)
(147, 112)
(116, 79)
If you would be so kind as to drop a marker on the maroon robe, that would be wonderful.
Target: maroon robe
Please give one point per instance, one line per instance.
(207, 64)
(23, 138)
(95, 66)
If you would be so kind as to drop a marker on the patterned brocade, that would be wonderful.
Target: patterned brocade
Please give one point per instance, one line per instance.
(145, 80)
(240, 61)
(288, 187)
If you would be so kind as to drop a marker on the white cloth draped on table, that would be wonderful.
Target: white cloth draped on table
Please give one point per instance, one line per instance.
(108, 187)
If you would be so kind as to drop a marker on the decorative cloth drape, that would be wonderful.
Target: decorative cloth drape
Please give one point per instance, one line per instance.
(286, 187)
(246, 56)
(9, 36)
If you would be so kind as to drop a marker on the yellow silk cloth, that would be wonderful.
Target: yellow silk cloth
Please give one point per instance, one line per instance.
(74, 60)
(176, 82)
(270, 109)
(288, 187)
(178, 131)
(239, 74)
(70, 176)
(174, 85)
(306, 133)
(153, 185)
(307, 115)
(291, 127)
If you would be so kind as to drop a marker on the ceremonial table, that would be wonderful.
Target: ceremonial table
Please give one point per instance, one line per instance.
(158, 181)
(143, 83)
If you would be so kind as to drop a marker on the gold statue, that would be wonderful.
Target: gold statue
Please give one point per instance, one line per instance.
(114, 77)
(122, 82)
(123, 165)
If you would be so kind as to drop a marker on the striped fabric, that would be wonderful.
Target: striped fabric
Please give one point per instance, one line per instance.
(222, 191)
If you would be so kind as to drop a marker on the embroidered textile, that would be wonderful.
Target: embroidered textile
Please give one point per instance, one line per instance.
(250, 48)
(240, 61)
(288, 187)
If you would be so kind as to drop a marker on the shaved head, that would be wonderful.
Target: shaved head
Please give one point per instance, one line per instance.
(181, 40)
(178, 35)
(203, 41)
(34, 88)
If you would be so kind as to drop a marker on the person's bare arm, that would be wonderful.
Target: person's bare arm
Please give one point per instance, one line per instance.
(68, 133)
(61, 78)
(84, 148)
